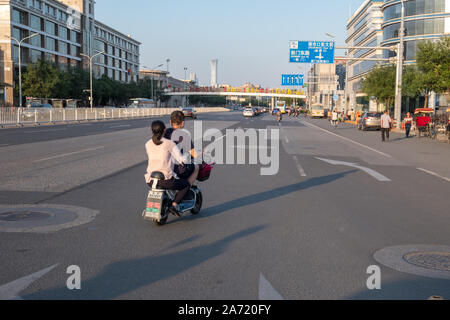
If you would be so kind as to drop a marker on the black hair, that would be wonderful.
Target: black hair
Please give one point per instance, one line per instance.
(158, 128)
(177, 117)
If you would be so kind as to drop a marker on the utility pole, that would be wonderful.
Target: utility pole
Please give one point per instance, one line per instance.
(399, 78)
(20, 63)
(90, 71)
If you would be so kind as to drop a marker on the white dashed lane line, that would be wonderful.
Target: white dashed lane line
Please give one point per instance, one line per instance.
(299, 167)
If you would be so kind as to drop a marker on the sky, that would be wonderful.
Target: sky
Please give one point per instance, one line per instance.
(250, 38)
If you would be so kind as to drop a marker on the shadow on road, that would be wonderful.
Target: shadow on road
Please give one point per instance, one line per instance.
(420, 289)
(121, 278)
(270, 195)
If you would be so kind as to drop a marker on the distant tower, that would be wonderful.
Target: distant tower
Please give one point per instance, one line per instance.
(214, 64)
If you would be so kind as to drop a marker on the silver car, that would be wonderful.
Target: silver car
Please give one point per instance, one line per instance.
(370, 120)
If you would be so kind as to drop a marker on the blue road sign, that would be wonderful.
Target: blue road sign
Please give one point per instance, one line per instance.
(292, 80)
(312, 52)
(335, 97)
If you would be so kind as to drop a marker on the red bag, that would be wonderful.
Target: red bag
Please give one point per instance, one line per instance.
(205, 171)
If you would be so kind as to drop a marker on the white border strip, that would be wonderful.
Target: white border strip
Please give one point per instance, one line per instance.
(344, 138)
(434, 174)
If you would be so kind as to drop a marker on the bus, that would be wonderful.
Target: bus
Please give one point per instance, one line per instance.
(317, 111)
(281, 105)
(142, 103)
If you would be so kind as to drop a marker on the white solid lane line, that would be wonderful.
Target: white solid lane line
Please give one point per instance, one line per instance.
(121, 126)
(299, 167)
(434, 174)
(369, 171)
(4, 145)
(69, 154)
(347, 139)
(51, 130)
(10, 291)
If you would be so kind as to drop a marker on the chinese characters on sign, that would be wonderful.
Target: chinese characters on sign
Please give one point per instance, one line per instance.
(312, 52)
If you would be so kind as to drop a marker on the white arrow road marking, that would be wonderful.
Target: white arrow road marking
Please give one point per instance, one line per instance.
(10, 291)
(371, 172)
(267, 291)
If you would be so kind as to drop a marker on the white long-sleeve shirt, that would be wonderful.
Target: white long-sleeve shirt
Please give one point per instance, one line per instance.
(162, 158)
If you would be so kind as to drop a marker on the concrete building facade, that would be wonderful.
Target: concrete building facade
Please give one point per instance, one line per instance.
(65, 29)
(364, 29)
(424, 20)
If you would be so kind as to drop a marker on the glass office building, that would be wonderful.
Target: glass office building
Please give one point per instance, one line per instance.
(424, 20)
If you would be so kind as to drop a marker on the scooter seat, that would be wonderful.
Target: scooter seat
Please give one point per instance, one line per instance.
(158, 175)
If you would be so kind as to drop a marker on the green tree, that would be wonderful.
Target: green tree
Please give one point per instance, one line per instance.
(44, 80)
(433, 60)
(379, 84)
(412, 82)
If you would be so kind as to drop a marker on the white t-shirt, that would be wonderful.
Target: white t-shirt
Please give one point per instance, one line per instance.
(335, 116)
(162, 158)
(385, 121)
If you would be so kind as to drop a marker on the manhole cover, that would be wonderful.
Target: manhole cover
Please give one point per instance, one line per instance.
(43, 218)
(430, 260)
(24, 216)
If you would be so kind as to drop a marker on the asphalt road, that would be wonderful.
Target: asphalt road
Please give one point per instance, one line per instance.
(308, 232)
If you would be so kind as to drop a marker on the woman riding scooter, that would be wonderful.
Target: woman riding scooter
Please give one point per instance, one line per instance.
(162, 154)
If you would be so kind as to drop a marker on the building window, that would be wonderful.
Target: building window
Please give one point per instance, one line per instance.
(62, 32)
(19, 17)
(50, 57)
(62, 47)
(50, 44)
(50, 28)
(74, 36)
(35, 22)
(36, 41)
(35, 55)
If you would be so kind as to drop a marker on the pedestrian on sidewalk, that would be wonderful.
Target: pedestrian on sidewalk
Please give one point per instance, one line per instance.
(408, 123)
(386, 122)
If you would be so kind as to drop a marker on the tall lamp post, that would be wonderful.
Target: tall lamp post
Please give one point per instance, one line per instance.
(90, 71)
(399, 80)
(20, 62)
(329, 84)
(185, 86)
(152, 77)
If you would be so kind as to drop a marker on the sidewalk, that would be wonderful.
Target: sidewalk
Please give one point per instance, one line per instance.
(422, 153)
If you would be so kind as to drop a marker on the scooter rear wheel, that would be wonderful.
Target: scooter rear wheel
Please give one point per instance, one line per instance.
(198, 204)
(164, 214)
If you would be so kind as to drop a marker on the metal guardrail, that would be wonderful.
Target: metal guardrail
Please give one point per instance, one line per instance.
(22, 116)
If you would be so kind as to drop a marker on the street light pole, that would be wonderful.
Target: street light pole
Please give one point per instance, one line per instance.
(399, 78)
(20, 63)
(90, 71)
(185, 86)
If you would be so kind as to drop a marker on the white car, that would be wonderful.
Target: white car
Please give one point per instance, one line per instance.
(249, 112)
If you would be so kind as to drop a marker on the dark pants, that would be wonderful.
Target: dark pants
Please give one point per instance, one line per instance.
(181, 185)
(408, 129)
(385, 133)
